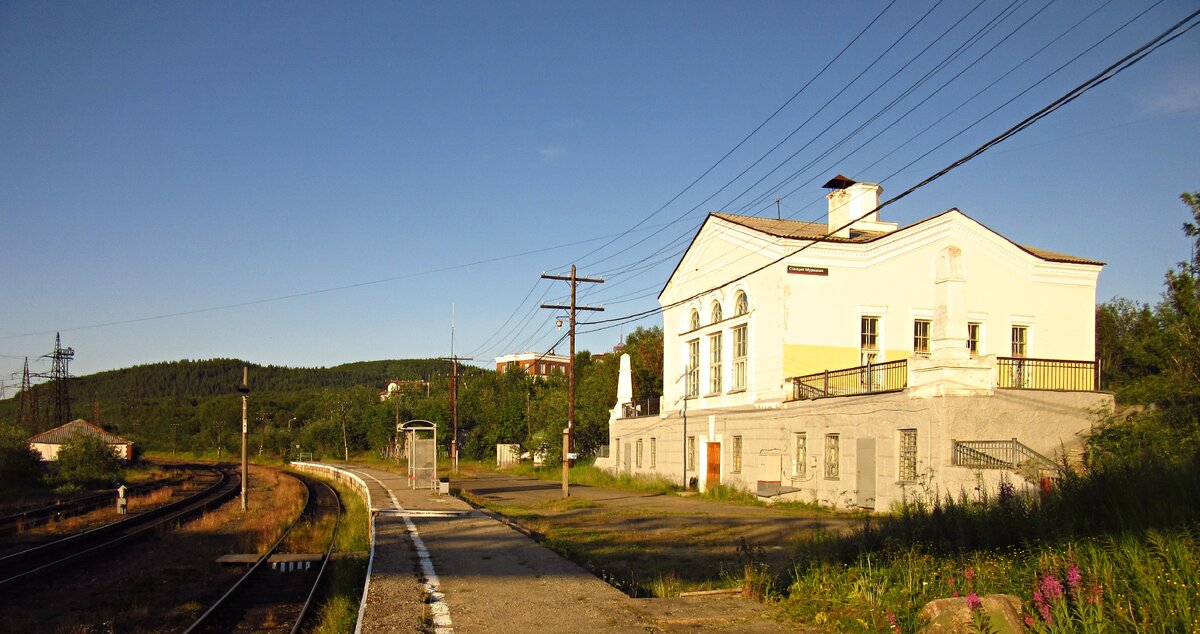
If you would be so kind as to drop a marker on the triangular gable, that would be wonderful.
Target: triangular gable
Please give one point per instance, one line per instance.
(61, 434)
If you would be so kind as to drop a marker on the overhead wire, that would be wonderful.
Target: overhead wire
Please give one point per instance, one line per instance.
(1124, 63)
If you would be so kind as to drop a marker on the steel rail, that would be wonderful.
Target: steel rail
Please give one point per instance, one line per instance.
(210, 618)
(49, 556)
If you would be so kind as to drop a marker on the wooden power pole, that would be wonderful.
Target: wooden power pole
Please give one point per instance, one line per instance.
(569, 432)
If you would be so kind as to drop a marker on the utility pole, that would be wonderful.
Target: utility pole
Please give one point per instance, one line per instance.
(174, 427)
(244, 388)
(569, 432)
(453, 359)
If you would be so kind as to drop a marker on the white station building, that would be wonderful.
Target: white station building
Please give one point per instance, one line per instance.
(855, 362)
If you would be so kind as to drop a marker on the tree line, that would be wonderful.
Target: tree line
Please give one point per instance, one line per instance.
(193, 406)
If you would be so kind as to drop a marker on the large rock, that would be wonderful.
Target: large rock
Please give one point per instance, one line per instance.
(952, 616)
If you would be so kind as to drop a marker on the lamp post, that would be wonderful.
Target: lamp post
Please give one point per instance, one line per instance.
(684, 398)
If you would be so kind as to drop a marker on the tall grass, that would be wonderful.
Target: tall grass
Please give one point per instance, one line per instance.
(338, 611)
(1116, 549)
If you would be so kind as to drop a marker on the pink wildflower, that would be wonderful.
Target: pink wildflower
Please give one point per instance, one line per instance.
(1028, 621)
(1044, 609)
(951, 581)
(1038, 598)
(973, 601)
(1052, 588)
(1094, 594)
(1073, 576)
(969, 573)
(891, 618)
(954, 593)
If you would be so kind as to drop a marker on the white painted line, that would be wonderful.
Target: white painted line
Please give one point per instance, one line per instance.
(438, 608)
(424, 513)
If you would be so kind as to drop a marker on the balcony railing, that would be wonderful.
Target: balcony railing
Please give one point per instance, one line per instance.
(873, 378)
(997, 454)
(1047, 374)
(645, 407)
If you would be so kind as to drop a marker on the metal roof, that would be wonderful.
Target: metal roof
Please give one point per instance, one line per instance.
(63, 433)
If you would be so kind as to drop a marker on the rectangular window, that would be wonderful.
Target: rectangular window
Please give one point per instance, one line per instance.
(740, 352)
(1020, 341)
(691, 453)
(693, 368)
(617, 451)
(908, 454)
(714, 364)
(638, 459)
(921, 336)
(800, 455)
(653, 452)
(973, 338)
(737, 454)
(869, 340)
(833, 456)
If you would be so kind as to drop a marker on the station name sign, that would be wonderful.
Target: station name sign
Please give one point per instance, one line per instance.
(807, 270)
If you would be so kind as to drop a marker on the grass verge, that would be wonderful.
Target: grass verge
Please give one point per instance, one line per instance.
(338, 611)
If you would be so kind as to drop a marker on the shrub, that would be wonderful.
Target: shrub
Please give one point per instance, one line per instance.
(88, 461)
(19, 463)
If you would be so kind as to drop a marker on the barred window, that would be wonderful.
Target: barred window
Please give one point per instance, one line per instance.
(653, 452)
(737, 454)
(973, 337)
(800, 455)
(921, 336)
(691, 453)
(908, 454)
(833, 456)
(638, 460)
(714, 364)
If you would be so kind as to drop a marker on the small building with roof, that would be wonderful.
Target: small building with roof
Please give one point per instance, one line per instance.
(48, 443)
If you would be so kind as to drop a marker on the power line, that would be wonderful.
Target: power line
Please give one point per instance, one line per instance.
(1100, 78)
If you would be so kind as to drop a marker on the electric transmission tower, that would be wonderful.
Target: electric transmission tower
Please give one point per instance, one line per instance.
(60, 377)
(27, 409)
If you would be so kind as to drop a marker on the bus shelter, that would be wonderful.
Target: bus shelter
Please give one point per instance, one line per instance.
(420, 448)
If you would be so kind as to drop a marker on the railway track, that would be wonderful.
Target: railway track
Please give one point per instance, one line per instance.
(76, 505)
(25, 564)
(277, 592)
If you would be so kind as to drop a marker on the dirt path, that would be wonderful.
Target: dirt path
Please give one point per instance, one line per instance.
(487, 577)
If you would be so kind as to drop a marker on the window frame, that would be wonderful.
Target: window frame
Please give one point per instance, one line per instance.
(715, 383)
(973, 342)
(736, 450)
(833, 456)
(1022, 342)
(741, 304)
(741, 355)
(716, 314)
(693, 369)
(800, 454)
(690, 458)
(921, 336)
(869, 348)
(638, 458)
(653, 452)
(907, 455)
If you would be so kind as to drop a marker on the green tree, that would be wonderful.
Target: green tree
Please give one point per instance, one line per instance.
(20, 465)
(88, 461)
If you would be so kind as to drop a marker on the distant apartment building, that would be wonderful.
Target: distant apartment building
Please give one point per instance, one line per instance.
(533, 363)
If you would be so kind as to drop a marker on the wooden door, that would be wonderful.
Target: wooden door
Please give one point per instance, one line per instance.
(714, 465)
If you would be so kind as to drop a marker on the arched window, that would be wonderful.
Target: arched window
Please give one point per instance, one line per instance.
(716, 312)
(740, 305)
(694, 321)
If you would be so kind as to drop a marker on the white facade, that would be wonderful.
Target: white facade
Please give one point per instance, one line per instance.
(756, 302)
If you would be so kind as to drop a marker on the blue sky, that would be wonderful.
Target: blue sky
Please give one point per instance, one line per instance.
(158, 159)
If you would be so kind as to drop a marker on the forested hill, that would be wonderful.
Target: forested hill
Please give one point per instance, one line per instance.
(201, 379)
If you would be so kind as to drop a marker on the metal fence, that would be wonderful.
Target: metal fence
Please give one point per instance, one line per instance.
(997, 454)
(1018, 373)
(645, 407)
(890, 376)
